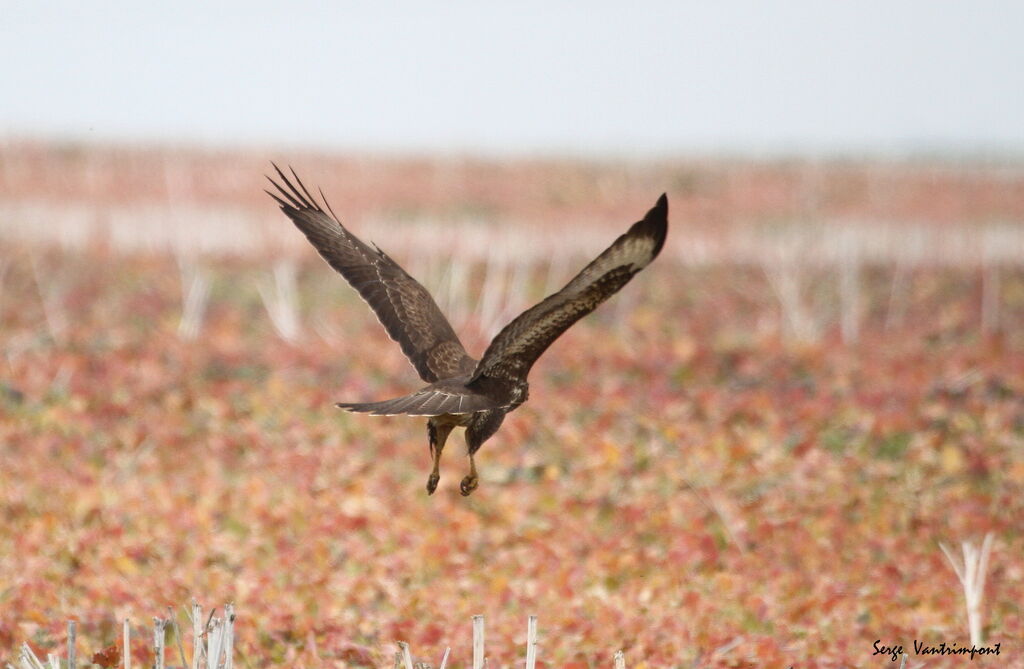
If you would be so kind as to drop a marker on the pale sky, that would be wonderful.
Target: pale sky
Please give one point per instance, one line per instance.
(590, 78)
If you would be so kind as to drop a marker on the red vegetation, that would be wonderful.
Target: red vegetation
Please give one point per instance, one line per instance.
(682, 484)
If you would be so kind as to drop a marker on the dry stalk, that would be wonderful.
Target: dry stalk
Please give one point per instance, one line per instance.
(786, 280)
(214, 643)
(127, 646)
(158, 641)
(403, 648)
(229, 636)
(27, 659)
(972, 572)
(72, 658)
(195, 292)
(197, 634)
(531, 642)
(478, 642)
(282, 301)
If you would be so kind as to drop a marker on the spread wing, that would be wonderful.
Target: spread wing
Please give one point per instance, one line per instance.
(444, 397)
(513, 352)
(403, 306)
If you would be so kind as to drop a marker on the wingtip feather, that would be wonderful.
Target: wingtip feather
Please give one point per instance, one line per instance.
(655, 223)
(281, 202)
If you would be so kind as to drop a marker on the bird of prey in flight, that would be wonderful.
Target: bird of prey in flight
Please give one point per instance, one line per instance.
(461, 391)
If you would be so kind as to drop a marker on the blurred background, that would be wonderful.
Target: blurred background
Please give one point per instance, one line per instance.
(817, 382)
(785, 135)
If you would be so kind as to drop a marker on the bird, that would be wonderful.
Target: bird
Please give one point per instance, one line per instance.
(461, 391)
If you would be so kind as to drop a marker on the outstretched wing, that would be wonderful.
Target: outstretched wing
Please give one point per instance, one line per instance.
(403, 306)
(515, 349)
(445, 397)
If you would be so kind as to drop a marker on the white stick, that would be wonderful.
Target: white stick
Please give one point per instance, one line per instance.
(620, 660)
(72, 662)
(444, 658)
(195, 291)
(971, 573)
(197, 634)
(214, 643)
(229, 636)
(158, 641)
(531, 642)
(28, 659)
(478, 642)
(127, 644)
(406, 656)
(281, 300)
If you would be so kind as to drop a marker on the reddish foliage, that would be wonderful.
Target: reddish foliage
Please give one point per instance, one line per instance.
(108, 657)
(682, 484)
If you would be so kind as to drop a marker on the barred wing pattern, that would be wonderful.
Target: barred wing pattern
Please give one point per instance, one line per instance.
(402, 304)
(513, 352)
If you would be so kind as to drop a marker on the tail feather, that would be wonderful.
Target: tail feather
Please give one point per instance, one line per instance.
(385, 408)
(429, 401)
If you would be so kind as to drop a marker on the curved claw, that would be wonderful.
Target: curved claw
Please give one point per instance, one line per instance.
(468, 485)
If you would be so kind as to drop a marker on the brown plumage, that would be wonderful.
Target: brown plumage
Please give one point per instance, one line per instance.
(461, 391)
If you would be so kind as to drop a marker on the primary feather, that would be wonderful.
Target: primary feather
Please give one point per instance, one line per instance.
(402, 304)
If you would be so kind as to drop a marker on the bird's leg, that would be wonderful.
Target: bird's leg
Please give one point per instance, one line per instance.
(469, 483)
(480, 428)
(437, 434)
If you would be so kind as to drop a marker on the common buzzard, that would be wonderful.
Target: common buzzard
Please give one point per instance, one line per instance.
(461, 391)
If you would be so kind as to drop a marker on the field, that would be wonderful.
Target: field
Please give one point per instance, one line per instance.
(748, 458)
